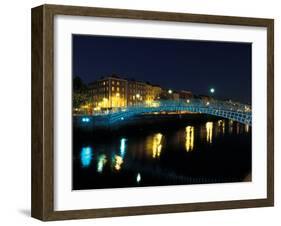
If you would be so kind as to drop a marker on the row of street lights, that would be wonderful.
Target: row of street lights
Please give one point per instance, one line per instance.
(105, 100)
(212, 91)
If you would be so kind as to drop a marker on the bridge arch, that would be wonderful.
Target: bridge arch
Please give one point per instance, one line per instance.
(237, 112)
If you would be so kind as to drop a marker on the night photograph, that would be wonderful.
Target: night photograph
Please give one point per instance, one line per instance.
(160, 112)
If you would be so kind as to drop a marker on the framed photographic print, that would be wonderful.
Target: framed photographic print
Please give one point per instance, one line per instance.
(141, 112)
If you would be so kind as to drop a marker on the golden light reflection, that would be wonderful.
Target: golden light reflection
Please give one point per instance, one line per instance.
(189, 138)
(209, 129)
(221, 124)
(237, 128)
(230, 126)
(118, 160)
(156, 145)
(247, 127)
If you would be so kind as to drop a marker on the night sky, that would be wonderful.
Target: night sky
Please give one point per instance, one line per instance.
(175, 64)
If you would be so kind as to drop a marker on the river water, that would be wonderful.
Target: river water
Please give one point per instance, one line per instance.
(210, 151)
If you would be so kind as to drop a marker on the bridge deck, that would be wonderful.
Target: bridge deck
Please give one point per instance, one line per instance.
(234, 111)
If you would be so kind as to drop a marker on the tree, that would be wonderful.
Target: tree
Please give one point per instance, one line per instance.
(78, 84)
(80, 93)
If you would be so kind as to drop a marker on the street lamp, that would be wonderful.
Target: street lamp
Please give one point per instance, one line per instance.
(212, 90)
(170, 91)
(137, 95)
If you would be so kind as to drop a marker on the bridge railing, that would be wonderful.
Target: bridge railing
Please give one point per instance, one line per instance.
(214, 104)
(234, 111)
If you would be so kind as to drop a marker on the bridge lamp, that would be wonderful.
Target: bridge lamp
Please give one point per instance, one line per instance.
(170, 91)
(85, 119)
(188, 101)
(212, 90)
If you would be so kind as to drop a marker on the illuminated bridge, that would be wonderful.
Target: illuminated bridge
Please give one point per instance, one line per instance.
(230, 110)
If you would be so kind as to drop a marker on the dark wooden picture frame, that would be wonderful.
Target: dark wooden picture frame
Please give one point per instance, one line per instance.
(42, 203)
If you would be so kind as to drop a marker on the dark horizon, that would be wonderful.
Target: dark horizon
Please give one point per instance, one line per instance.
(225, 66)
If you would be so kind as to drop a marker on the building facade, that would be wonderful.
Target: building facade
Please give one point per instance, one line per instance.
(109, 92)
(185, 95)
(116, 92)
(137, 92)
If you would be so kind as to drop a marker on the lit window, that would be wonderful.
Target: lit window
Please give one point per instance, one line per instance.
(113, 82)
(103, 83)
(112, 88)
(117, 88)
(118, 83)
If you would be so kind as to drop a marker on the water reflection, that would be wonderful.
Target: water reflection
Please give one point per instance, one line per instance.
(159, 155)
(117, 162)
(247, 127)
(189, 138)
(209, 129)
(86, 156)
(221, 124)
(156, 145)
(101, 163)
(230, 126)
(123, 147)
(138, 178)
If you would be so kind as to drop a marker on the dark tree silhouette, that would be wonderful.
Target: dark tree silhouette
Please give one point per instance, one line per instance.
(78, 84)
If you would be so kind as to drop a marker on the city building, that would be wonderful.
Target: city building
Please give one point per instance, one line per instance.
(137, 92)
(116, 92)
(155, 92)
(206, 99)
(142, 92)
(185, 95)
(168, 94)
(109, 92)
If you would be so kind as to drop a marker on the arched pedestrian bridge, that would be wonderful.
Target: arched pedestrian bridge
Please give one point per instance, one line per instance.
(230, 110)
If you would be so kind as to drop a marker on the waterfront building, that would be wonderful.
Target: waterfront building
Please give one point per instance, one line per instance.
(109, 92)
(137, 92)
(206, 99)
(185, 95)
(168, 94)
(116, 92)
(142, 92)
